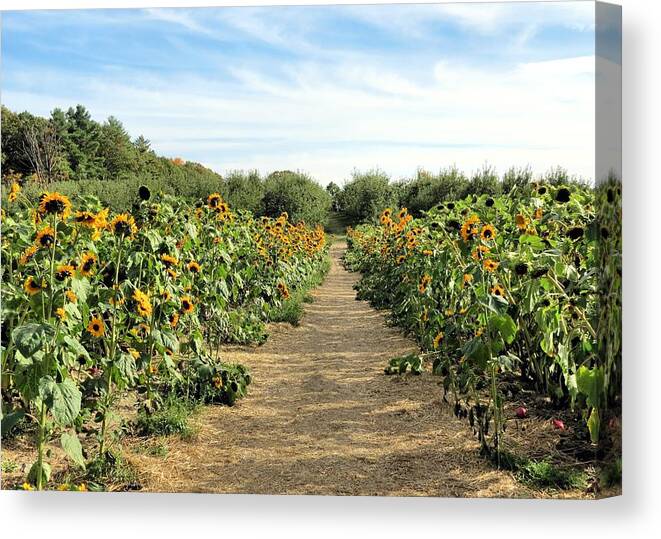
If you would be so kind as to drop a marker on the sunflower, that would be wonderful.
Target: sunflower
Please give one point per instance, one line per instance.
(85, 218)
(142, 303)
(61, 313)
(469, 230)
(45, 237)
(123, 225)
(521, 221)
(64, 271)
(169, 260)
(174, 320)
(31, 287)
(563, 195)
(172, 273)
(71, 296)
(284, 291)
(213, 200)
(13, 192)
(438, 339)
(402, 213)
(479, 252)
(521, 268)
(488, 232)
(538, 214)
(424, 282)
(54, 204)
(187, 305)
(166, 296)
(498, 290)
(490, 265)
(217, 382)
(194, 267)
(27, 255)
(134, 353)
(96, 327)
(400, 259)
(427, 252)
(87, 264)
(467, 278)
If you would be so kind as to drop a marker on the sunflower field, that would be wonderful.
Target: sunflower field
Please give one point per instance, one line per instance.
(503, 293)
(99, 306)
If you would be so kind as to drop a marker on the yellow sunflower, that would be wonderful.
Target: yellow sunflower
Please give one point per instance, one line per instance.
(488, 232)
(213, 200)
(71, 296)
(217, 382)
(169, 260)
(123, 225)
(32, 287)
(64, 271)
(174, 320)
(61, 313)
(479, 252)
(142, 303)
(87, 264)
(490, 265)
(438, 339)
(187, 305)
(54, 204)
(96, 327)
(45, 237)
(521, 221)
(13, 192)
(194, 267)
(27, 255)
(498, 290)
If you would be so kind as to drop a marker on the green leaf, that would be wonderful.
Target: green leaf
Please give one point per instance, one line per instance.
(45, 472)
(505, 326)
(10, 420)
(73, 449)
(31, 338)
(63, 399)
(590, 383)
(594, 425)
(81, 287)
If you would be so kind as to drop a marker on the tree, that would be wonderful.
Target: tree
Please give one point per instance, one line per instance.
(334, 191)
(119, 156)
(297, 194)
(366, 195)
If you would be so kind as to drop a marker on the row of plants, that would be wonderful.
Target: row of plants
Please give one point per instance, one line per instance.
(100, 307)
(522, 289)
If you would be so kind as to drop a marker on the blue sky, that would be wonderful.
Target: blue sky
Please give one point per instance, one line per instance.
(323, 89)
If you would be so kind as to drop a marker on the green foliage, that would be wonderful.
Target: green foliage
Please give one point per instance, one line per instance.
(543, 474)
(365, 196)
(297, 195)
(399, 365)
(173, 417)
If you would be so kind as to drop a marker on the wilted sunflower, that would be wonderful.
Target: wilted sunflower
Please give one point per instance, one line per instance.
(187, 305)
(64, 271)
(521, 268)
(521, 221)
(174, 320)
(31, 287)
(45, 237)
(55, 204)
(87, 264)
(27, 255)
(438, 339)
(213, 200)
(479, 252)
(488, 232)
(194, 267)
(562, 195)
(13, 192)
(169, 260)
(490, 265)
(123, 225)
(142, 303)
(498, 290)
(144, 193)
(96, 327)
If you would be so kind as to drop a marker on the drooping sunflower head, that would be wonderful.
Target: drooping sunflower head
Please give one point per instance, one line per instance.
(64, 271)
(488, 232)
(45, 237)
(32, 287)
(169, 260)
(55, 204)
(521, 221)
(14, 191)
(123, 225)
(187, 305)
(87, 264)
(142, 303)
(96, 327)
(438, 339)
(28, 254)
(194, 267)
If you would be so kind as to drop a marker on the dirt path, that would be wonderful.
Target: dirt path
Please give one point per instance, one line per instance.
(322, 418)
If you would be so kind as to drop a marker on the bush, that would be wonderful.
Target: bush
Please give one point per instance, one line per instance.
(302, 198)
(366, 195)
